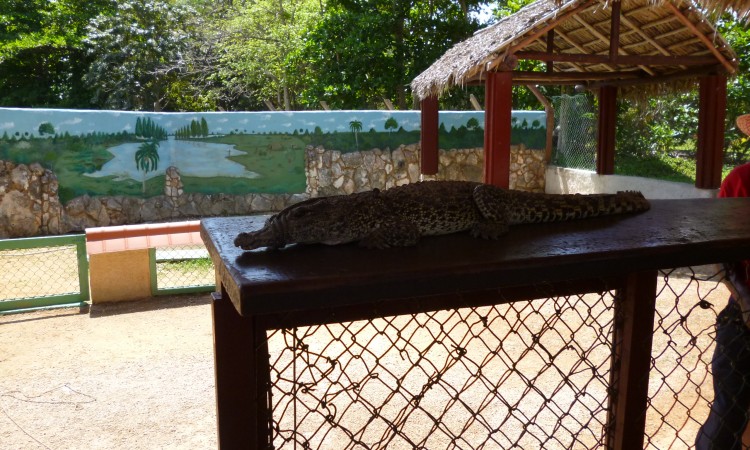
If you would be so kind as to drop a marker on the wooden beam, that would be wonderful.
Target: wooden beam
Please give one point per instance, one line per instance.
(632, 337)
(549, 112)
(574, 76)
(550, 49)
(706, 41)
(475, 103)
(429, 144)
(498, 104)
(711, 117)
(607, 125)
(657, 22)
(575, 45)
(614, 29)
(633, 60)
(574, 65)
(604, 39)
(676, 76)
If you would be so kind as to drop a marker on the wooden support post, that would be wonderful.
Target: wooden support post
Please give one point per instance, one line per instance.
(711, 116)
(242, 371)
(632, 339)
(605, 150)
(429, 135)
(498, 106)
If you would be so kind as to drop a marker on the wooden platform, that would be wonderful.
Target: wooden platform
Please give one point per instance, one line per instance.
(319, 284)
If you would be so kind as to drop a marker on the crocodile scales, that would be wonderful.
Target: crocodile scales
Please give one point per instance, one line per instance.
(401, 215)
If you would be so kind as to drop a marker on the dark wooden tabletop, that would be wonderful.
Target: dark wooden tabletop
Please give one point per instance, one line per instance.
(674, 233)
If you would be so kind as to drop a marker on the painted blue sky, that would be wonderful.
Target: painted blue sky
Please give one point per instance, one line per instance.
(77, 122)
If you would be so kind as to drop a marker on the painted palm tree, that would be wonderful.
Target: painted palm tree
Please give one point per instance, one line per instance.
(147, 159)
(356, 127)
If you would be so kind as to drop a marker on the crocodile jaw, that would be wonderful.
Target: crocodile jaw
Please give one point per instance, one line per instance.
(265, 237)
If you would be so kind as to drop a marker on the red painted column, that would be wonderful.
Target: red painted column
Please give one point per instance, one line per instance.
(498, 105)
(429, 135)
(605, 149)
(711, 117)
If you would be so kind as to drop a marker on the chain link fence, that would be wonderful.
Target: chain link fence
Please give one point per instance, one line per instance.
(529, 374)
(50, 271)
(181, 268)
(42, 272)
(575, 132)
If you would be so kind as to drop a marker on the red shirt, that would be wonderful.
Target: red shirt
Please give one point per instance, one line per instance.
(737, 184)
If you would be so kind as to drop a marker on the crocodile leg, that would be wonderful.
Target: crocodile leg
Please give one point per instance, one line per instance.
(392, 233)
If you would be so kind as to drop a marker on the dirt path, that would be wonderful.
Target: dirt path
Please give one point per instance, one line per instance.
(135, 376)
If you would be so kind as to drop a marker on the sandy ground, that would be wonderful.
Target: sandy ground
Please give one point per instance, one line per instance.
(128, 376)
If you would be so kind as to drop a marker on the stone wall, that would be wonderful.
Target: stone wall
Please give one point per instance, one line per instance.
(30, 206)
(330, 172)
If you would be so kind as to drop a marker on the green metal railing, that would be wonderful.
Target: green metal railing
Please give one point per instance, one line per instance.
(43, 272)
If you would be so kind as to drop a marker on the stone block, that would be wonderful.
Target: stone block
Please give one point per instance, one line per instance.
(119, 276)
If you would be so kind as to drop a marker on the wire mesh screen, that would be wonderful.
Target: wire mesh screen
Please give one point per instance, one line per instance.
(680, 388)
(38, 272)
(524, 375)
(183, 266)
(575, 132)
(529, 374)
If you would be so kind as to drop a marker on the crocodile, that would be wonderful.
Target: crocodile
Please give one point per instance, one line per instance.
(399, 216)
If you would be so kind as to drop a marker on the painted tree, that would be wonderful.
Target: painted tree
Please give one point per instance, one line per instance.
(46, 128)
(391, 125)
(204, 127)
(147, 159)
(356, 126)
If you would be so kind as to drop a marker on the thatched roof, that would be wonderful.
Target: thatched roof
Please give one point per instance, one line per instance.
(740, 8)
(656, 43)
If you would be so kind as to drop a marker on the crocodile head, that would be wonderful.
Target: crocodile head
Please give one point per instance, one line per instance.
(326, 220)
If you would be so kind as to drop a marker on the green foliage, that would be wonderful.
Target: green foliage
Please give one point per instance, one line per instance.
(259, 38)
(130, 47)
(362, 51)
(42, 57)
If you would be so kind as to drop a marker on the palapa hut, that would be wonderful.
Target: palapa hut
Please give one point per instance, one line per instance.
(625, 47)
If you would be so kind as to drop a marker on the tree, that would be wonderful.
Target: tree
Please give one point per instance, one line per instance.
(257, 41)
(364, 50)
(129, 46)
(147, 159)
(356, 127)
(42, 55)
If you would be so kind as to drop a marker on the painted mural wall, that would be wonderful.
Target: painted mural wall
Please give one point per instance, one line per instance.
(106, 153)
